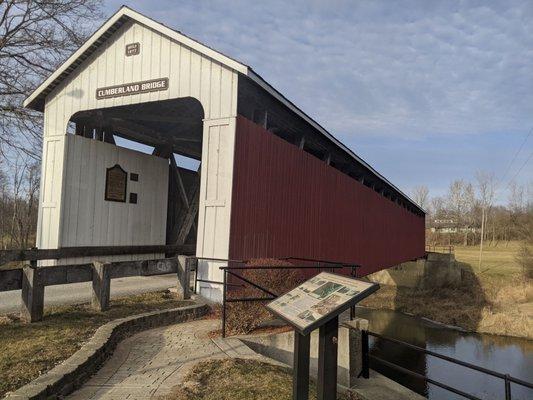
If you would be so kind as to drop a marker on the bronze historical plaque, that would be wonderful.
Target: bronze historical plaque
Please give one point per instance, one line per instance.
(128, 89)
(115, 184)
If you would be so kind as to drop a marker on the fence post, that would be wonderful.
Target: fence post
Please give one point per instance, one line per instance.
(101, 286)
(192, 265)
(32, 293)
(184, 277)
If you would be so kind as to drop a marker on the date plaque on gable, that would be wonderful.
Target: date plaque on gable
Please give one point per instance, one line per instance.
(132, 49)
(115, 184)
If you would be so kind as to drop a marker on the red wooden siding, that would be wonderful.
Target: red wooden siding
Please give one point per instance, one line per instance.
(287, 202)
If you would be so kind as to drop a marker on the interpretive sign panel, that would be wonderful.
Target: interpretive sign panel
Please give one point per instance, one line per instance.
(320, 299)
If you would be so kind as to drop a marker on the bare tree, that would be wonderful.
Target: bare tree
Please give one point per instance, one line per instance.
(436, 206)
(421, 196)
(516, 197)
(460, 203)
(485, 189)
(18, 203)
(3, 204)
(35, 37)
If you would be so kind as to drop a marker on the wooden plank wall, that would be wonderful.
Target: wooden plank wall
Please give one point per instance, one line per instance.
(287, 202)
(89, 220)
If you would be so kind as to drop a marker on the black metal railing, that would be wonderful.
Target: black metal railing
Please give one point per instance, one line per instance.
(270, 295)
(367, 357)
(321, 265)
(223, 260)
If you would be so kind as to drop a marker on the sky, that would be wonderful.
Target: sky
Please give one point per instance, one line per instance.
(424, 91)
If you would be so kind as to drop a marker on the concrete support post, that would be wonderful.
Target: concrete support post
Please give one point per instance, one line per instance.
(101, 286)
(32, 293)
(351, 360)
(184, 277)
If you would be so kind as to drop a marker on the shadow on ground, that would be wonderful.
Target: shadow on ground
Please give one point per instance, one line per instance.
(434, 294)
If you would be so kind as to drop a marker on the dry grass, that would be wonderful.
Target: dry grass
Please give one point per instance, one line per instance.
(482, 303)
(243, 318)
(495, 299)
(28, 350)
(236, 379)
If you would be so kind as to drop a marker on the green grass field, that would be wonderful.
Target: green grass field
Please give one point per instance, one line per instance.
(497, 260)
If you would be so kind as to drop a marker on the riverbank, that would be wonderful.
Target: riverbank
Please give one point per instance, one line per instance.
(503, 354)
(483, 303)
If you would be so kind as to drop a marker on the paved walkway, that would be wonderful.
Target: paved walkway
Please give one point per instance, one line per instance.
(150, 363)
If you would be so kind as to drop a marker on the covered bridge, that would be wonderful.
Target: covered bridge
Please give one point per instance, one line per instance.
(271, 181)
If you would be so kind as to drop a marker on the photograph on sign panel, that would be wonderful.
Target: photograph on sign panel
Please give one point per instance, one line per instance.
(325, 290)
(327, 305)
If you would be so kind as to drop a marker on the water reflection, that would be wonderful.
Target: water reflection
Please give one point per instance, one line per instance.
(502, 354)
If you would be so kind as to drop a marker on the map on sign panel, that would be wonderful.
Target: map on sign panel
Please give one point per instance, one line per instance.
(319, 299)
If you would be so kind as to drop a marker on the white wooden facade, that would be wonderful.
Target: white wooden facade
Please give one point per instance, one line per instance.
(89, 220)
(67, 159)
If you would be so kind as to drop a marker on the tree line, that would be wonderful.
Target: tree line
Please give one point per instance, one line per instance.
(468, 214)
(35, 38)
(19, 195)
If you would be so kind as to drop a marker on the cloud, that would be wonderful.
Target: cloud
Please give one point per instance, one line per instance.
(405, 71)
(379, 68)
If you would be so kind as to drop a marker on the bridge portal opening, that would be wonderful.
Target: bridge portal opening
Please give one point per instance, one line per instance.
(171, 132)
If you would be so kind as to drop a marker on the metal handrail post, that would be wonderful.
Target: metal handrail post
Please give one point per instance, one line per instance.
(507, 388)
(224, 304)
(196, 275)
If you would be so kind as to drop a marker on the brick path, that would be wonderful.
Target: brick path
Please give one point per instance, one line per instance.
(150, 363)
